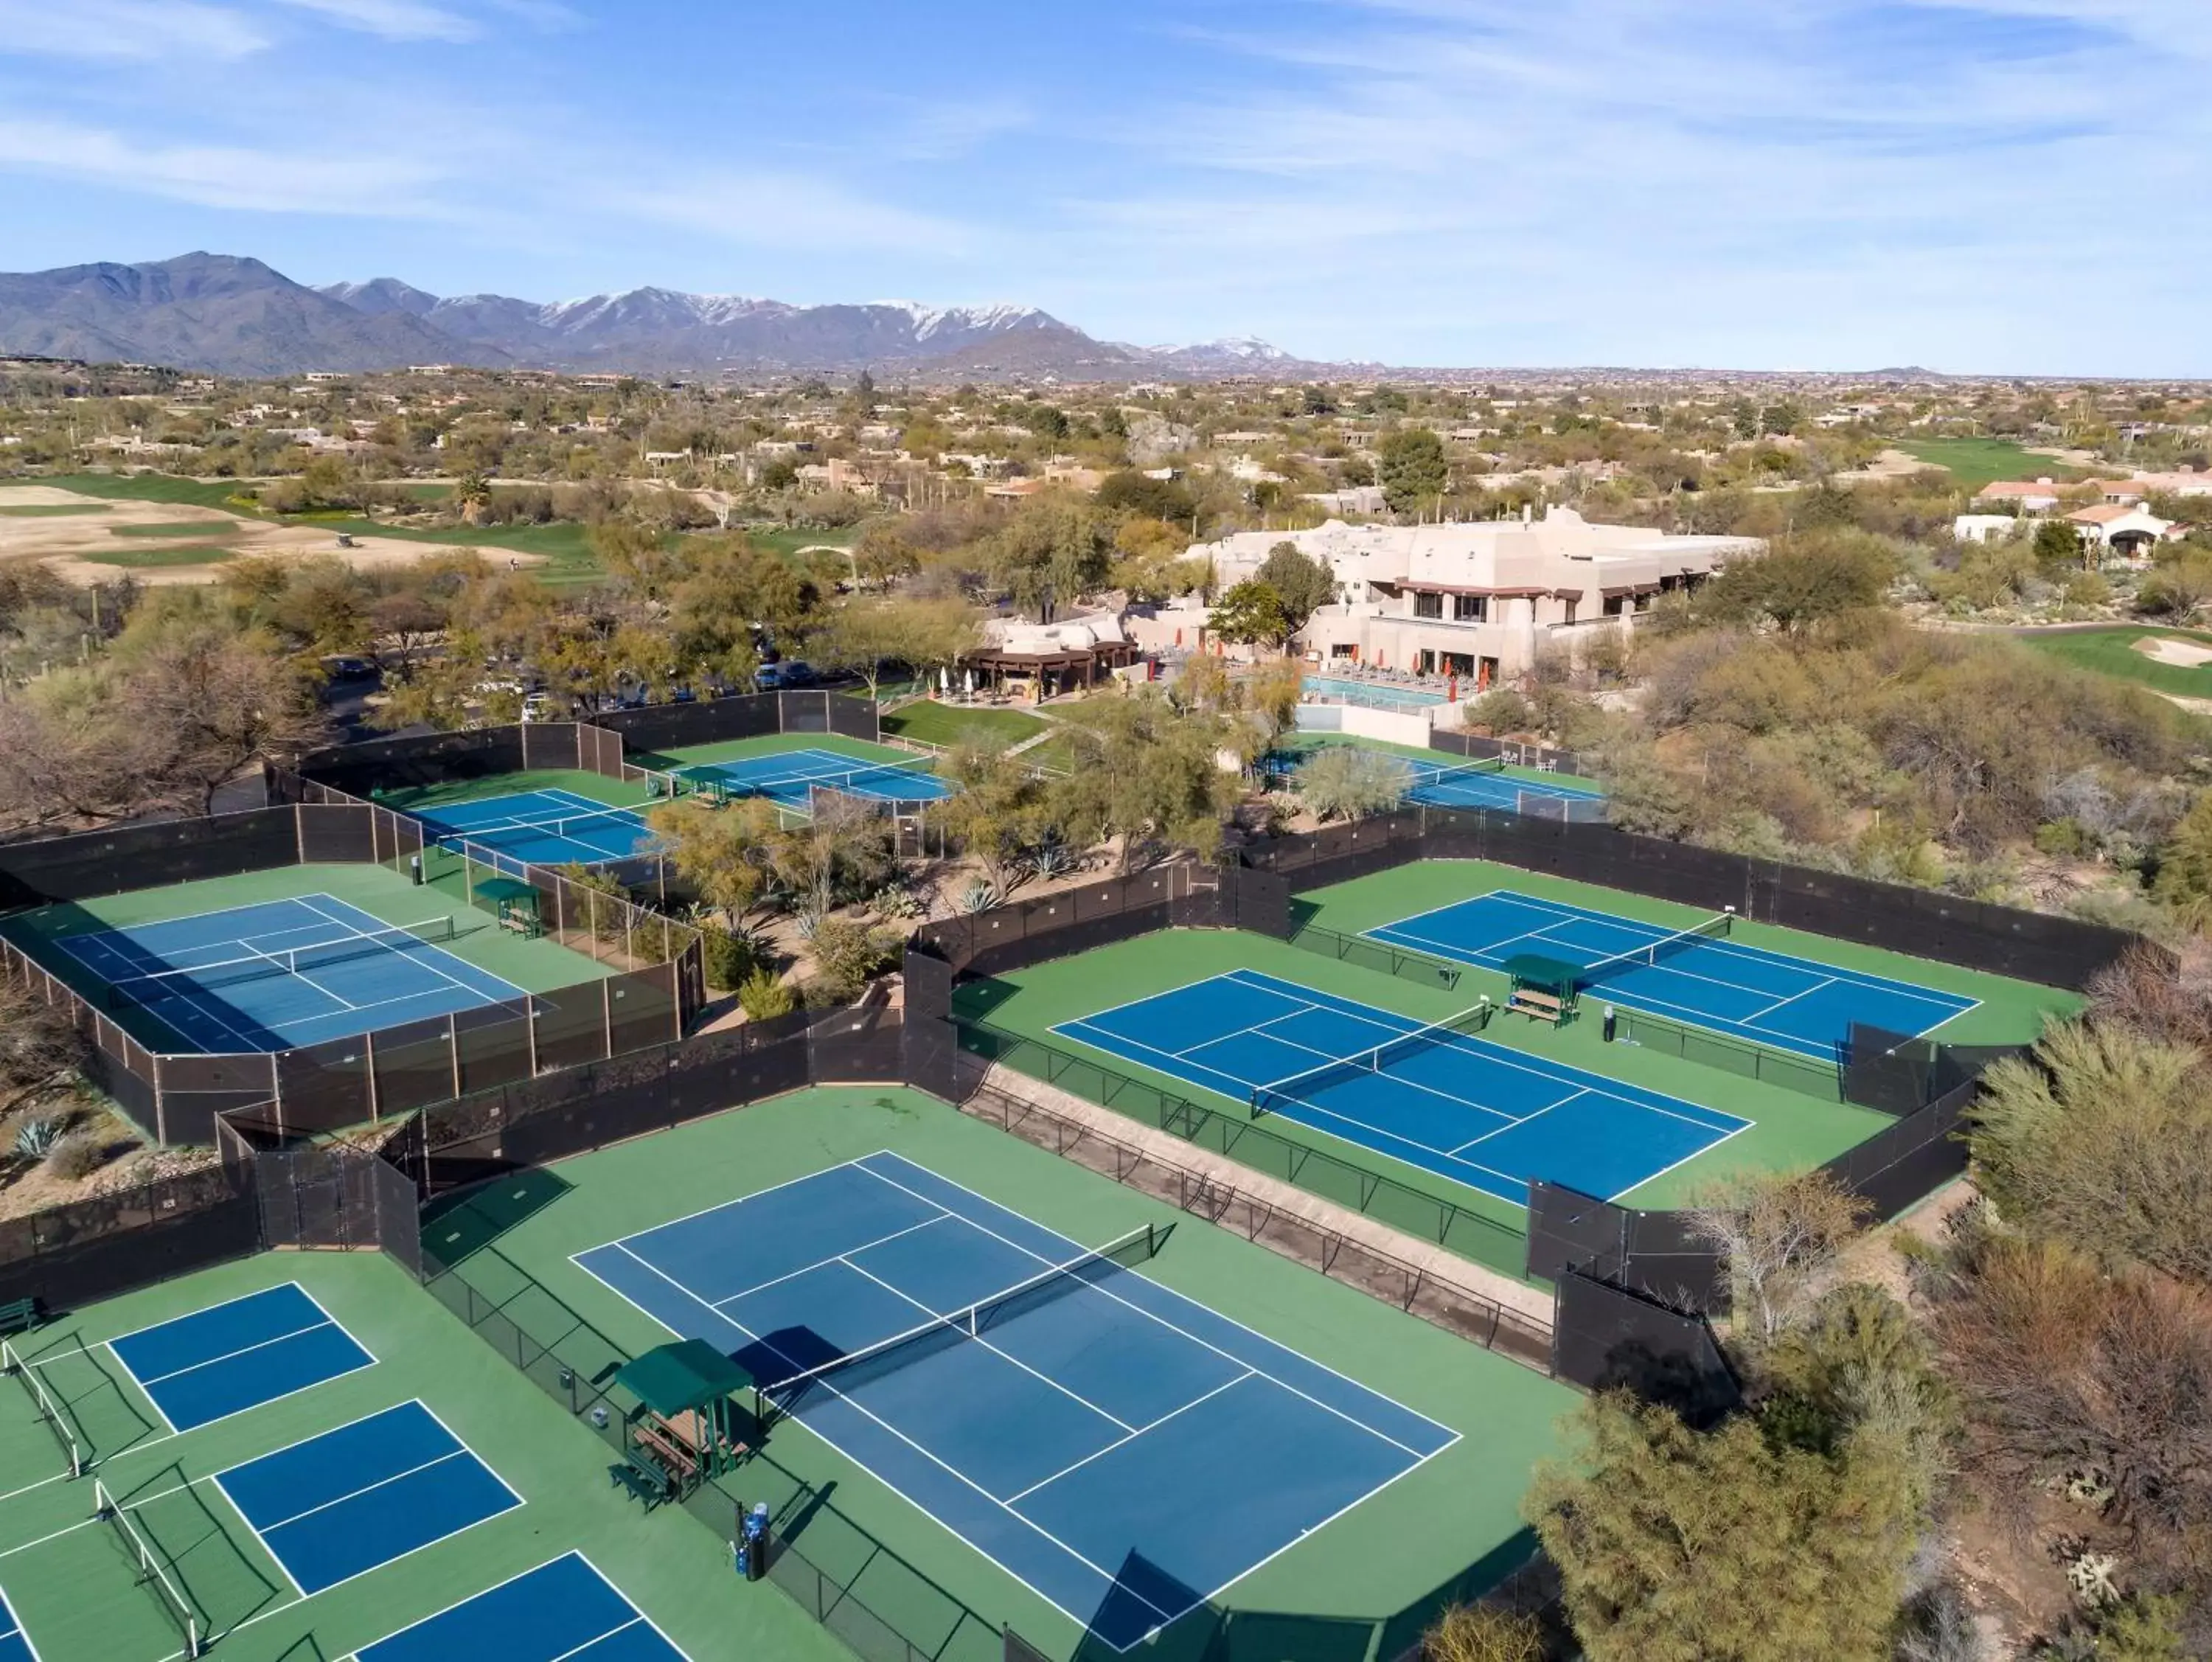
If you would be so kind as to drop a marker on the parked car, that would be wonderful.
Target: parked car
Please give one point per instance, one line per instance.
(345, 668)
(797, 674)
(539, 707)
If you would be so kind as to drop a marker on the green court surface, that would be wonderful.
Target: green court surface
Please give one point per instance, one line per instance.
(932, 723)
(1306, 743)
(2114, 652)
(613, 792)
(71, 1584)
(536, 966)
(1363, 1587)
(1790, 1130)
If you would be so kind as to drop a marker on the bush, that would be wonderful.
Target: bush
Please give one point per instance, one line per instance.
(1476, 1632)
(728, 959)
(763, 996)
(76, 1157)
(1345, 782)
(846, 955)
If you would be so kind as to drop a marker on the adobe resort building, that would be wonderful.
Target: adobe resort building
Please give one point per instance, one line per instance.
(1479, 600)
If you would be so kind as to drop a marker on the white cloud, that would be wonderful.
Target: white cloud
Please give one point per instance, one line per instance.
(126, 30)
(780, 210)
(393, 19)
(280, 179)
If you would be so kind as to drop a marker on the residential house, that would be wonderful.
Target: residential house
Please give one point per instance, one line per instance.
(1984, 527)
(1480, 600)
(2028, 496)
(2122, 532)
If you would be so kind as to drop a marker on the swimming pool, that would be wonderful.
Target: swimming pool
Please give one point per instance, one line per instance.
(1383, 697)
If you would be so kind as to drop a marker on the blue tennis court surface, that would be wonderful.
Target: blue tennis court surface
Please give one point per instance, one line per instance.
(280, 974)
(1480, 1113)
(1769, 998)
(542, 828)
(1124, 1451)
(1462, 785)
(15, 1643)
(789, 778)
(339, 1505)
(229, 1357)
(563, 1611)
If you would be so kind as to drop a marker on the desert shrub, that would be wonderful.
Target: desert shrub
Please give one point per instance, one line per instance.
(728, 959)
(1477, 1633)
(1346, 783)
(76, 1157)
(763, 996)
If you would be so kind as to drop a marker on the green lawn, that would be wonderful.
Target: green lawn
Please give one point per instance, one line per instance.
(1974, 463)
(153, 488)
(2112, 652)
(790, 542)
(932, 723)
(569, 557)
(145, 559)
(167, 528)
(47, 510)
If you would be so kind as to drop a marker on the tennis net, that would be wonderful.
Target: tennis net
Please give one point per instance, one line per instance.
(152, 1572)
(1649, 954)
(941, 1333)
(1432, 776)
(49, 1410)
(889, 779)
(1266, 1098)
(138, 990)
(568, 828)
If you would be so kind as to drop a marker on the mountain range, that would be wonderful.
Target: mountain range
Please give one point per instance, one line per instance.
(225, 314)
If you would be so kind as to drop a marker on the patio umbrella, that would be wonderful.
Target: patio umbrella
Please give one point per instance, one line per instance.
(968, 683)
(945, 681)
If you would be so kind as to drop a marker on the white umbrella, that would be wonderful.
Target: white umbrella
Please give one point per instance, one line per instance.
(968, 683)
(945, 681)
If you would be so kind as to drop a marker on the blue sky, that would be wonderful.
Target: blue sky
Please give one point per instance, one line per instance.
(1760, 184)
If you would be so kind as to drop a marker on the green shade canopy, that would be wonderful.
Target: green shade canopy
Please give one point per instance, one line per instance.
(505, 888)
(678, 1377)
(1551, 975)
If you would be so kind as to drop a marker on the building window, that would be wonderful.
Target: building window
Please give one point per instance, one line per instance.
(1459, 663)
(1571, 604)
(1425, 663)
(1470, 608)
(1613, 604)
(1428, 605)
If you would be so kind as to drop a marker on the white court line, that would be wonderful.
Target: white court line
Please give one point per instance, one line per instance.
(368, 1488)
(1134, 1432)
(835, 1258)
(1072, 1396)
(16, 1626)
(1518, 1123)
(1685, 1161)
(397, 951)
(243, 1350)
(1757, 1016)
(636, 1615)
(1172, 1328)
(952, 1471)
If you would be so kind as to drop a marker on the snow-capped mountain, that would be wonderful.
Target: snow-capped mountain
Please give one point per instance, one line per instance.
(237, 316)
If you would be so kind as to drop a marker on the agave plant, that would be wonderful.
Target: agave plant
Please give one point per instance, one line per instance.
(980, 896)
(1054, 859)
(35, 1138)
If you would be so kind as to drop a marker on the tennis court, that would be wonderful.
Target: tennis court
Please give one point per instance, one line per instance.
(280, 974)
(228, 1357)
(15, 1643)
(542, 827)
(1482, 784)
(1697, 976)
(1433, 1095)
(358, 1497)
(789, 778)
(1124, 1451)
(561, 1611)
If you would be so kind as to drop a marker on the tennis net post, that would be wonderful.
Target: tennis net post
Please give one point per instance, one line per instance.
(151, 1571)
(970, 1321)
(49, 1409)
(1265, 1098)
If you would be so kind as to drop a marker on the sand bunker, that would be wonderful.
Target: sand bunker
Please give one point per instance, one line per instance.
(2183, 655)
(68, 545)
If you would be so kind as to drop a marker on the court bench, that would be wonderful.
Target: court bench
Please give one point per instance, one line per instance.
(19, 1315)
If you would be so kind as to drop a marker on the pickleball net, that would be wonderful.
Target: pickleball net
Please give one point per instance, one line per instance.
(152, 1571)
(137, 991)
(1301, 1086)
(623, 824)
(1652, 952)
(974, 1322)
